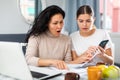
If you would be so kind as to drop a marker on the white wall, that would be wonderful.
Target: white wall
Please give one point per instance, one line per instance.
(11, 20)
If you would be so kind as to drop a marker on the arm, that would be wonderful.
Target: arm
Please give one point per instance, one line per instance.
(74, 55)
(106, 55)
(68, 56)
(84, 57)
(75, 58)
(51, 62)
(33, 57)
(80, 59)
(31, 54)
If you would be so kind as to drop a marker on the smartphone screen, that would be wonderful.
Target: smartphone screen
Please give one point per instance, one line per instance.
(103, 43)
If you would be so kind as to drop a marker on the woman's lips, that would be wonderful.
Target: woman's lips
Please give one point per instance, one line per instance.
(59, 31)
(84, 28)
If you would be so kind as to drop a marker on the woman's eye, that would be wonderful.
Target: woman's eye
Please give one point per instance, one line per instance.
(55, 23)
(61, 22)
(88, 20)
(80, 21)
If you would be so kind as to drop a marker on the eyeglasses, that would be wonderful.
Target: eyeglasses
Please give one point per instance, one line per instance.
(72, 76)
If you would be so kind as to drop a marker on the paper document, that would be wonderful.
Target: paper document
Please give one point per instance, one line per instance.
(83, 64)
(75, 65)
(96, 52)
(72, 68)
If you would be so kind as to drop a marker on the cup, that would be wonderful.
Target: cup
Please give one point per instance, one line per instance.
(72, 76)
(94, 73)
(100, 63)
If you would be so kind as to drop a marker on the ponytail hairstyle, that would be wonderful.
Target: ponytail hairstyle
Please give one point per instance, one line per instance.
(85, 9)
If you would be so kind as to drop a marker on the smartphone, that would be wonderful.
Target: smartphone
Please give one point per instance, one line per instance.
(103, 43)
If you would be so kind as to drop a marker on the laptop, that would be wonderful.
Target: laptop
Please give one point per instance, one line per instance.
(13, 64)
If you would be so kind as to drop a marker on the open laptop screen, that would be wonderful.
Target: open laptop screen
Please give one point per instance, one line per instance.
(12, 61)
(13, 64)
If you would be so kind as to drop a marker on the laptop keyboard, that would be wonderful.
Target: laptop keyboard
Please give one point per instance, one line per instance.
(37, 74)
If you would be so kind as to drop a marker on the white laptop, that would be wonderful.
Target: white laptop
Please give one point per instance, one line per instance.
(13, 64)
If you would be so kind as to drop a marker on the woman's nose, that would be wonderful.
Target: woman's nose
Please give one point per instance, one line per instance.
(84, 23)
(59, 25)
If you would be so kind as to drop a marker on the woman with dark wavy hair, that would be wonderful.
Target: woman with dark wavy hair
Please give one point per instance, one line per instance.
(46, 45)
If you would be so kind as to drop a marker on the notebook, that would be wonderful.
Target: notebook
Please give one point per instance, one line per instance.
(13, 64)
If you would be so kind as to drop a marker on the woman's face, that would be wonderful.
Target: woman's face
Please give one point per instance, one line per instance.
(55, 25)
(85, 22)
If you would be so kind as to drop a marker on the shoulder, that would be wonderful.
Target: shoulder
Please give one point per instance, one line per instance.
(103, 34)
(65, 37)
(100, 31)
(34, 39)
(74, 34)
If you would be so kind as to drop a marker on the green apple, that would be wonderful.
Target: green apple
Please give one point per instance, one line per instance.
(118, 69)
(110, 72)
(119, 73)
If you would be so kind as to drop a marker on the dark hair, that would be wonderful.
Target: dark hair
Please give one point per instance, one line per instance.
(85, 9)
(40, 24)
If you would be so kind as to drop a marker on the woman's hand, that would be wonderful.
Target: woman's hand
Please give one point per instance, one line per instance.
(101, 51)
(84, 58)
(59, 64)
(90, 52)
(106, 55)
(51, 62)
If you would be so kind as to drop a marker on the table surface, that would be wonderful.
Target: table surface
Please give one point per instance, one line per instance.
(81, 71)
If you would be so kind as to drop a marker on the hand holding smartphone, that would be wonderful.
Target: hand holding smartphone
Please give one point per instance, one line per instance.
(103, 43)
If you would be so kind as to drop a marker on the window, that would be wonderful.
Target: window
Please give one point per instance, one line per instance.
(110, 11)
(28, 10)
